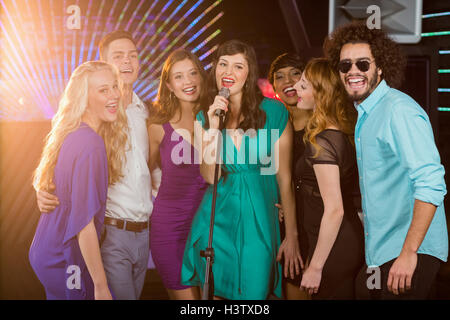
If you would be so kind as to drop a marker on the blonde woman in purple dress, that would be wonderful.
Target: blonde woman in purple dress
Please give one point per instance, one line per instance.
(182, 187)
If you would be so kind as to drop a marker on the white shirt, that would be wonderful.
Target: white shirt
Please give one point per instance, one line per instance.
(130, 198)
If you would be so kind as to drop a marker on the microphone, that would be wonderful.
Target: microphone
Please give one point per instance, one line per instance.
(223, 92)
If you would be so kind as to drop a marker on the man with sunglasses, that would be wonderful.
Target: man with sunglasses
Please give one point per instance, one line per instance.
(401, 177)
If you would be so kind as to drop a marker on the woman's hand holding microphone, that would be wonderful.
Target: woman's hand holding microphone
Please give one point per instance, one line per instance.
(220, 103)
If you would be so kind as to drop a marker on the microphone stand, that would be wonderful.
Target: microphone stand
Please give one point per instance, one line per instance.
(208, 286)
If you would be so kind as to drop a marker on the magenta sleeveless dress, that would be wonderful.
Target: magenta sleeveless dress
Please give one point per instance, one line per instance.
(180, 193)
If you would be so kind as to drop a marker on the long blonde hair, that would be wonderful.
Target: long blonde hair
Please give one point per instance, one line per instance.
(332, 105)
(167, 104)
(71, 108)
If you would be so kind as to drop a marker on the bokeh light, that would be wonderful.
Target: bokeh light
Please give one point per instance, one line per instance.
(38, 51)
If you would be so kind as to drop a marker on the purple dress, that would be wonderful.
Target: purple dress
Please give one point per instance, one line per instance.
(81, 179)
(180, 193)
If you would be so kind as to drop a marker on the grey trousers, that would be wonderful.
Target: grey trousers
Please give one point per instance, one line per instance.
(125, 258)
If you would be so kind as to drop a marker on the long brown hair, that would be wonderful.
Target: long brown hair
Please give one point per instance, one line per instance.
(254, 117)
(167, 103)
(332, 105)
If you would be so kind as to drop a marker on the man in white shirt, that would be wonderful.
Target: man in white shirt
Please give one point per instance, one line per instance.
(125, 238)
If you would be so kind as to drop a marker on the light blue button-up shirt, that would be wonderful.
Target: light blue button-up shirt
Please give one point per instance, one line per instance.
(398, 162)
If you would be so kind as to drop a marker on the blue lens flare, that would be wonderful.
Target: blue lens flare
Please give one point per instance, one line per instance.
(39, 51)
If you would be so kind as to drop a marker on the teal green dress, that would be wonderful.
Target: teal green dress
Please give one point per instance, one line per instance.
(246, 230)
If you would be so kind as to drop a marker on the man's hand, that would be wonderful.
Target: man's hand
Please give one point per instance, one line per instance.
(401, 272)
(47, 201)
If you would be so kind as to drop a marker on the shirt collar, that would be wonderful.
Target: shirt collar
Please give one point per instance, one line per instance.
(370, 102)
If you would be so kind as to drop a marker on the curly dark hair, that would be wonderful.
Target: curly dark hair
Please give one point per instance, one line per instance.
(254, 116)
(285, 60)
(387, 54)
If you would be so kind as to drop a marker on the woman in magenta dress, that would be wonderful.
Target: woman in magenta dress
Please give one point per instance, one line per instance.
(172, 149)
(87, 130)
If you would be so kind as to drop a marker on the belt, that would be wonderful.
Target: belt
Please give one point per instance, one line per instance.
(129, 225)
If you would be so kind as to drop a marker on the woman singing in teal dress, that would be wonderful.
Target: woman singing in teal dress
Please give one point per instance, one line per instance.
(255, 170)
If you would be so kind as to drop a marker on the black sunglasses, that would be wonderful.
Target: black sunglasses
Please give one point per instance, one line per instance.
(345, 65)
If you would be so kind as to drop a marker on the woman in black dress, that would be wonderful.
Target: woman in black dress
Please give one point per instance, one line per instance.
(327, 177)
(285, 71)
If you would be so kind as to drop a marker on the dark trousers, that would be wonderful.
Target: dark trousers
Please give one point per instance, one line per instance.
(421, 283)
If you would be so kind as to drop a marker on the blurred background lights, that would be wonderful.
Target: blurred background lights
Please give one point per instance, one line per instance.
(43, 41)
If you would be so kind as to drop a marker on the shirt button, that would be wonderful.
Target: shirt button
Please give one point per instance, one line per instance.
(359, 158)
